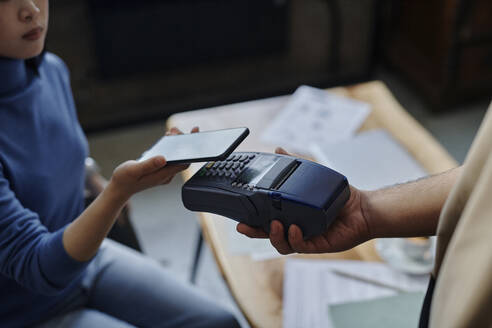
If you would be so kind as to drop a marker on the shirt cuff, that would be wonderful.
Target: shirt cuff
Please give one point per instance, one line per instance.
(58, 267)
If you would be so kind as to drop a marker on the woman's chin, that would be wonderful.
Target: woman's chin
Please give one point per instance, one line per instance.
(27, 52)
(32, 53)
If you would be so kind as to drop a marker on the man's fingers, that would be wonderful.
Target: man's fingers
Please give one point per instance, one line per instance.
(195, 129)
(277, 238)
(281, 151)
(250, 231)
(297, 242)
(295, 238)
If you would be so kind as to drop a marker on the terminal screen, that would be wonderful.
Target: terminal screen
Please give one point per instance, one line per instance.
(258, 169)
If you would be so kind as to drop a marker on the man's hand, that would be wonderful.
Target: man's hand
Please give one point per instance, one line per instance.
(411, 209)
(348, 230)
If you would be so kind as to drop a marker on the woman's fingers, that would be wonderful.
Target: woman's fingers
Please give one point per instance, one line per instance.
(150, 165)
(167, 180)
(163, 175)
(167, 172)
(175, 131)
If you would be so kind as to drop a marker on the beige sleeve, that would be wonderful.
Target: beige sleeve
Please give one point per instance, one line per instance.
(463, 294)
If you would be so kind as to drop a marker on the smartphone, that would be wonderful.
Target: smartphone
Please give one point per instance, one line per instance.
(197, 147)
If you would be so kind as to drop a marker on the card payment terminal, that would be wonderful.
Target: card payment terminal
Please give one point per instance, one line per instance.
(256, 188)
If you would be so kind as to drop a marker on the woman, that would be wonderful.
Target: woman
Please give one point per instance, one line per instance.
(56, 271)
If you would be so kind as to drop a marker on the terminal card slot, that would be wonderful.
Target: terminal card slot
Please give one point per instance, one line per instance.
(277, 172)
(286, 176)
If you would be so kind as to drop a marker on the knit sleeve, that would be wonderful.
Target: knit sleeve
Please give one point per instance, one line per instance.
(30, 254)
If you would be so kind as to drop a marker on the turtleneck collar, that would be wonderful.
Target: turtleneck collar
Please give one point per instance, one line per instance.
(13, 75)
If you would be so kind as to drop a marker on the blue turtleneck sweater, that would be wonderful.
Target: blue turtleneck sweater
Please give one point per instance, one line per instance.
(42, 152)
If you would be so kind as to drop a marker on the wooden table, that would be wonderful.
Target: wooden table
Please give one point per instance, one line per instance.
(257, 286)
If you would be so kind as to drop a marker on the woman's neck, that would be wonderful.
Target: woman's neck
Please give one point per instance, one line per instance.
(13, 75)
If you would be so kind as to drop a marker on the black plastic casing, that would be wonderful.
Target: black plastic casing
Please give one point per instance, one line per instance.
(293, 190)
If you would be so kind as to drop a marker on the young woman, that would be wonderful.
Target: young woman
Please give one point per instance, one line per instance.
(56, 270)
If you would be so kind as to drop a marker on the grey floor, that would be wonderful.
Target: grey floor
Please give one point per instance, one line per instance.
(168, 231)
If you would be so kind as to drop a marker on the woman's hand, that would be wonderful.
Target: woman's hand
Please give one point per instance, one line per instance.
(348, 230)
(132, 176)
(85, 234)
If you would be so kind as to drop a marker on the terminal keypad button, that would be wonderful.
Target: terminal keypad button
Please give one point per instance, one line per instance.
(229, 169)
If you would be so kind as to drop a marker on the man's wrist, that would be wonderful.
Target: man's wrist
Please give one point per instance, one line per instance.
(366, 212)
(376, 215)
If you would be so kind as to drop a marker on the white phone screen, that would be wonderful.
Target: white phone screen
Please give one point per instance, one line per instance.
(197, 147)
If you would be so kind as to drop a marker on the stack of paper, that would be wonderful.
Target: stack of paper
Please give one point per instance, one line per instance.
(315, 116)
(312, 286)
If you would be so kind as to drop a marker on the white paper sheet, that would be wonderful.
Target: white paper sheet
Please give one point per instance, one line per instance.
(370, 160)
(315, 115)
(310, 286)
(258, 249)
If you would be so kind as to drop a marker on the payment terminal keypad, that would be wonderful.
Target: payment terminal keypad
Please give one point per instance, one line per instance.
(228, 169)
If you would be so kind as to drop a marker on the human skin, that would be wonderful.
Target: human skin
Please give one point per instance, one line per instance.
(23, 27)
(83, 237)
(407, 210)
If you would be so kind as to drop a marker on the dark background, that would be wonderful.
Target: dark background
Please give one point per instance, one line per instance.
(137, 61)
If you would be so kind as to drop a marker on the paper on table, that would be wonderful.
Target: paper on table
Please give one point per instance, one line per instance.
(370, 160)
(402, 311)
(310, 287)
(315, 115)
(258, 249)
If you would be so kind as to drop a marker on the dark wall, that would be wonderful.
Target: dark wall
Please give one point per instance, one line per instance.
(143, 36)
(213, 52)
